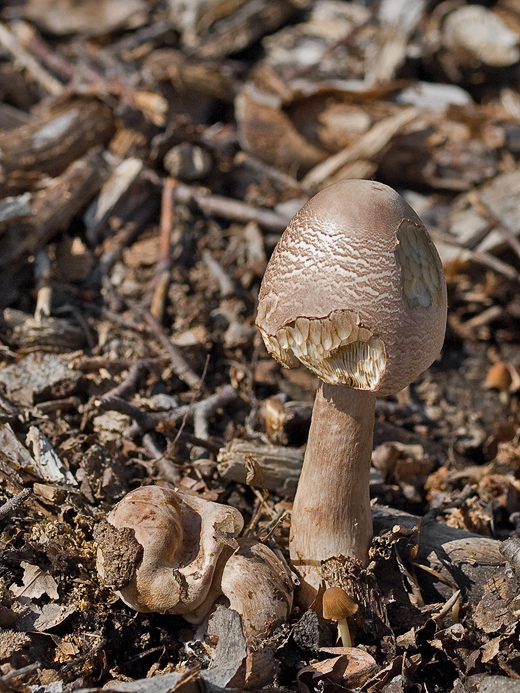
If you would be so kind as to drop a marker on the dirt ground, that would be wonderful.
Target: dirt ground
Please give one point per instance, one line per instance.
(151, 154)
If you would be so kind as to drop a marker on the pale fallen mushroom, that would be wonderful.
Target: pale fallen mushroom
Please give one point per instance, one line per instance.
(258, 585)
(170, 552)
(355, 291)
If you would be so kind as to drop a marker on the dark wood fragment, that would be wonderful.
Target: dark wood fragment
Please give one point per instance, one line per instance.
(14, 503)
(228, 670)
(52, 210)
(281, 466)
(510, 550)
(462, 558)
(55, 333)
(39, 377)
(51, 142)
(498, 609)
(214, 79)
(227, 28)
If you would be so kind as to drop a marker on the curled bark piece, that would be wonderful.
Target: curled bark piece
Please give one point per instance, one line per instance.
(52, 141)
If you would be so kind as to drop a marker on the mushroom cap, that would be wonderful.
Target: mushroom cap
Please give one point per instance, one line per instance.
(258, 585)
(499, 376)
(355, 290)
(337, 605)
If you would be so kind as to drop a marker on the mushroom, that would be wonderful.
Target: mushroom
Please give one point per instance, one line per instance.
(499, 378)
(258, 585)
(354, 291)
(338, 606)
(167, 551)
(182, 538)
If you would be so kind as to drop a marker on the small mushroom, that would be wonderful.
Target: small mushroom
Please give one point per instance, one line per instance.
(167, 551)
(338, 606)
(355, 291)
(499, 378)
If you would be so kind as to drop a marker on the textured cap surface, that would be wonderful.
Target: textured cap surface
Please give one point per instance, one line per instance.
(355, 290)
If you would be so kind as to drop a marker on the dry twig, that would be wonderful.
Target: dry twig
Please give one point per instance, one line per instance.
(27, 61)
(368, 146)
(178, 363)
(14, 503)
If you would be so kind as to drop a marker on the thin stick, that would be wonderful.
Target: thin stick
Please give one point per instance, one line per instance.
(190, 405)
(162, 276)
(15, 673)
(14, 503)
(231, 209)
(129, 383)
(479, 256)
(205, 408)
(147, 422)
(26, 60)
(31, 41)
(367, 146)
(166, 222)
(276, 522)
(451, 605)
(278, 177)
(179, 365)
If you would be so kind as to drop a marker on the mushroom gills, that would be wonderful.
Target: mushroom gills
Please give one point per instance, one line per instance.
(416, 255)
(335, 348)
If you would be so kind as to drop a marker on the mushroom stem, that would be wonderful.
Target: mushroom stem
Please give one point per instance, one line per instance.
(331, 513)
(344, 632)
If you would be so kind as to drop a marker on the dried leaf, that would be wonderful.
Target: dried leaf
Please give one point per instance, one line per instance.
(254, 473)
(36, 583)
(351, 668)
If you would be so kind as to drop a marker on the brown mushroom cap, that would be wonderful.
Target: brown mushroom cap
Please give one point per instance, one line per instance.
(355, 290)
(337, 605)
(499, 376)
